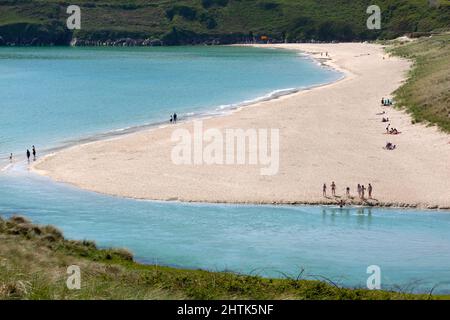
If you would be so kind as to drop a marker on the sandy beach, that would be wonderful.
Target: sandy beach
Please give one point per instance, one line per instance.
(329, 133)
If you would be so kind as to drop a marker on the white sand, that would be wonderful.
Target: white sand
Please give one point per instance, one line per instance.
(330, 133)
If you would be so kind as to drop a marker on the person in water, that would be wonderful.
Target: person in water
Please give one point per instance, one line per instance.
(28, 155)
(34, 153)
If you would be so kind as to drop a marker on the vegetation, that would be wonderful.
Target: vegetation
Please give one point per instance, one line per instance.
(426, 94)
(34, 261)
(224, 21)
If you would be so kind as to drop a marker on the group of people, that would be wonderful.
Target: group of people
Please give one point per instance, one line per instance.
(390, 146)
(386, 102)
(333, 189)
(173, 118)
(33, 150)
(361, 190)
(392, 130)
(28, 153)
(389, 130)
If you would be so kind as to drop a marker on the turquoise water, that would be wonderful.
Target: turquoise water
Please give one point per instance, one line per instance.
(50, 96)
(411, 247)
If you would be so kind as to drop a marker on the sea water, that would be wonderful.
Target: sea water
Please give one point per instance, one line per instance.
(51, 96)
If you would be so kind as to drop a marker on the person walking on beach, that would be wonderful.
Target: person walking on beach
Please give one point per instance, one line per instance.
(28, 155)
(369, 189)
(333, 189)
(359, 190)
(34, 153)
(324, 190)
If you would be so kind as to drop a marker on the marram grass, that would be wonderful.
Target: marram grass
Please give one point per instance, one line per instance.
(426, 93)
(34, 261)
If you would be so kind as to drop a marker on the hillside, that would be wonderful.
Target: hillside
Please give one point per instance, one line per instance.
(426, 94)
(34, 261)
(172, 22)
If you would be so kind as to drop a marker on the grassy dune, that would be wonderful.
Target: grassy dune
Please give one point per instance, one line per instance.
(426, 94)
(34, 260)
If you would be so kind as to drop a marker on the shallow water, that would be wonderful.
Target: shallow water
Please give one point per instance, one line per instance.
(52, 95)
(411, 247)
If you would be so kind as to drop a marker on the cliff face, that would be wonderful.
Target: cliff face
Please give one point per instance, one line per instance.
(174, 22)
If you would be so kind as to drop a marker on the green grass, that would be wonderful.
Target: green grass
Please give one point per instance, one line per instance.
(34, 260)
(231, 19)
(426, 94)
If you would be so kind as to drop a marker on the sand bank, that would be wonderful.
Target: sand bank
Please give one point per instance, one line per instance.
(329, 133)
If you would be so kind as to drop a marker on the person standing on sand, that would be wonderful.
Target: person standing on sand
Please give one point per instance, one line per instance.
(28, 155)
(363, 189)
(34, 153)
(369, 189)
(359, 190)
(324, 190)
(347, 192)
(175, 118)
(333, 189)
(11, 158)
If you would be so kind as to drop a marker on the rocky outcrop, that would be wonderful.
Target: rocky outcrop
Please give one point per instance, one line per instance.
(123, 42)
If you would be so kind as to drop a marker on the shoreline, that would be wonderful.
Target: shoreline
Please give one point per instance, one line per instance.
(215, 111)
(204, 115)
(236, 113)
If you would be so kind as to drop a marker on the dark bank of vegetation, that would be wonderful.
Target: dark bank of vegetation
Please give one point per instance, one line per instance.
(172, 22)
(34, 261)
(426, 94)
